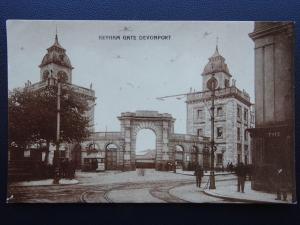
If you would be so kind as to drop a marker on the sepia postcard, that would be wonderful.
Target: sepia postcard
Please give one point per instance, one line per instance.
(150, 112)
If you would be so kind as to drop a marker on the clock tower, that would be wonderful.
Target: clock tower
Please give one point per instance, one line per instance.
(56, 63)
(217, 67)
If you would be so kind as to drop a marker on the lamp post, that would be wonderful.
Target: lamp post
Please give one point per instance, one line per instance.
(51, 82)
(223, 151)
(211, 85)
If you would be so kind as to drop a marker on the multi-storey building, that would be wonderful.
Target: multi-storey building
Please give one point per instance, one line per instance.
(56, 64)
(274, 133)
(233, 114)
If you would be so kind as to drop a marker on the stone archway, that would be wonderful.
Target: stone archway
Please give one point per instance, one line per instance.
(161, 124)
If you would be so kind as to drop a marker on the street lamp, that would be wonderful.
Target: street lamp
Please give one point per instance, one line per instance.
(51, 82)
(211, 85)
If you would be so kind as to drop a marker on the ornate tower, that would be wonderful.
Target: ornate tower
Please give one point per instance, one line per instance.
(56, 63)
(218, 67)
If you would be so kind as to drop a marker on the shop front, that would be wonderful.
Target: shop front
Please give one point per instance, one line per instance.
(272, 150)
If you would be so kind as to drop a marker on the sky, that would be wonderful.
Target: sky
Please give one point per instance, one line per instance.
(129, 75)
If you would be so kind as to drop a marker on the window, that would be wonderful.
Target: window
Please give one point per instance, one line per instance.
(246, 135)
(62, 76)
(246, 115)
(179, 148)
(252, 118)
(239, 111)
(246, 148)
(199, 114)
(246, 159)
(238, 134)
(226, 83)
(111, 147)
(239, 147)
(219, 132)
(239, 158)
(200, 132)
(219, 158)
(219, 111)
(45, 75)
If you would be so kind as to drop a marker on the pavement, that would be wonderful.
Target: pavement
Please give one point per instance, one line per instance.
(191, 173)
(229, 192)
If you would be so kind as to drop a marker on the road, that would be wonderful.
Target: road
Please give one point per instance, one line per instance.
(155, 187)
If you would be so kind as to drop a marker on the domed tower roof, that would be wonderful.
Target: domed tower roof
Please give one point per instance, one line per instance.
(56, 54)
(216, 64)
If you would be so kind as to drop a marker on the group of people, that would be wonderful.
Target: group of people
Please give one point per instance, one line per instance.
(242, 171)
(67, 168)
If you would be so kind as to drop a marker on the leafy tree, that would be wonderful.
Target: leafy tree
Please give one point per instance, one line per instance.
(33, 116)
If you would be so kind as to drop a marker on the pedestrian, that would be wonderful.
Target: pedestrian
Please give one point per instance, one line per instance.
(230, 167)
(63, 168)
(249, 171)
(199, 174)
(280, 183)
(241, 177)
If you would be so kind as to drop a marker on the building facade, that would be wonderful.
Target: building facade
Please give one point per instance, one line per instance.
(233, 114)
(273, 136)
(56, 64)
(116, 150)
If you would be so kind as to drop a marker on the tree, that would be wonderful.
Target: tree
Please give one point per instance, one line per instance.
(33, 116)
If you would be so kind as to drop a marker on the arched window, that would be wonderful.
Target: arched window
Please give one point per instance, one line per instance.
(111, 147)
(179, 148)
(45, 75)
(93, 147)
(62, 76)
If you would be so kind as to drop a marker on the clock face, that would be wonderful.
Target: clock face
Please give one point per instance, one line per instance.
(212, 84)
(62, 76)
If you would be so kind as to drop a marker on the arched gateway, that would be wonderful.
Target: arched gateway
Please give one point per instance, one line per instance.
(162, 124)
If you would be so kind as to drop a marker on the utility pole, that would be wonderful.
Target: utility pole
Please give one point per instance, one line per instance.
(211, 85)
(57, 168)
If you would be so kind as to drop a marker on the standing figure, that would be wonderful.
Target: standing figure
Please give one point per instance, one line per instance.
(199, 174)
(281, 184)
(230, 167)
(241, 175)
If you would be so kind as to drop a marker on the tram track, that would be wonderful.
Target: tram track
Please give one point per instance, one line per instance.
(157, 190)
